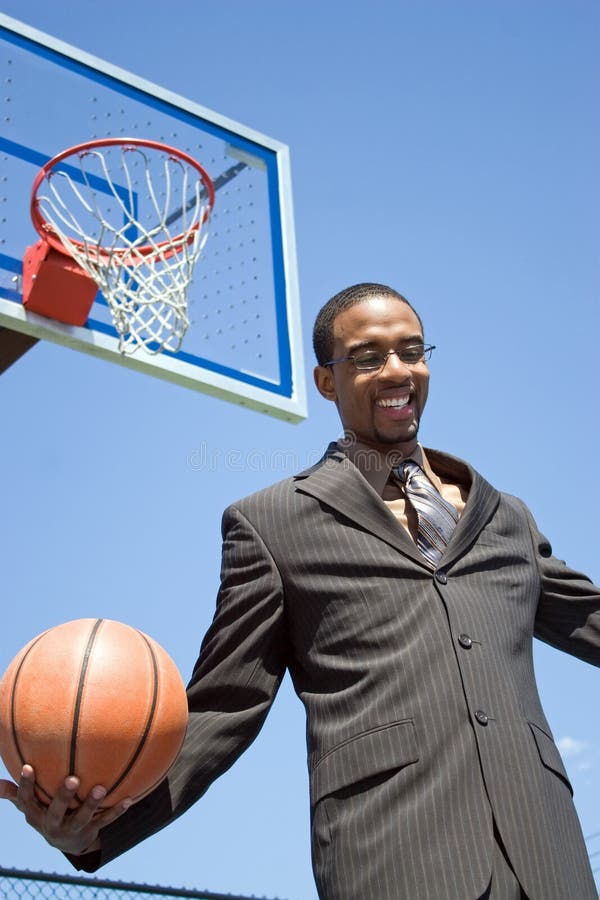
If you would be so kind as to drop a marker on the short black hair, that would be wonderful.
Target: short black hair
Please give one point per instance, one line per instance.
(349, 297)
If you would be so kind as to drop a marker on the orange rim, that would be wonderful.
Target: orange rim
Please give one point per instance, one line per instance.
(46, 231)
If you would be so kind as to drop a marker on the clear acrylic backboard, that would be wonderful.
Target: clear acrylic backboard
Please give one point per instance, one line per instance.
(244, 343)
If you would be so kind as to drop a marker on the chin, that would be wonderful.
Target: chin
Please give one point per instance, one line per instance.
(409, 434)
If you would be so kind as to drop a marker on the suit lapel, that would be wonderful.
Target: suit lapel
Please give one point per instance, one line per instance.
(481, 504)
(336, 482)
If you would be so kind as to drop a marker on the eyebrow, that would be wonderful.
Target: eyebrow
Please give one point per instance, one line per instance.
(375, 345)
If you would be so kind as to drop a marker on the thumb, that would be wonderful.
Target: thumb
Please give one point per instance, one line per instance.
(8, 790)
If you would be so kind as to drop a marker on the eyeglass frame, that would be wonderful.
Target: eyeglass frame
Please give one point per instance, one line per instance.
(425, 357)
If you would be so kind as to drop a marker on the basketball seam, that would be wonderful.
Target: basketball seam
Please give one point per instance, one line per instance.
(79, 697)
(13, 714)
(149, 720)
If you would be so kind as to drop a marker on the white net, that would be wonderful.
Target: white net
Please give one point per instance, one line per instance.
(134, 218)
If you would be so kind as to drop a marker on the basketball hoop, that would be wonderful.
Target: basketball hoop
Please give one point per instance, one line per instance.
(132, 213)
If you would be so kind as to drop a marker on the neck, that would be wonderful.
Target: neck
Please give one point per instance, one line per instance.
(390, 453)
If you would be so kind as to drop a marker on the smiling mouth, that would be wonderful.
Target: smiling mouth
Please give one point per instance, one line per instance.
(393, 402)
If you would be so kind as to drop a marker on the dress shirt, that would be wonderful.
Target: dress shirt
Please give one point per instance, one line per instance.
(376, 467)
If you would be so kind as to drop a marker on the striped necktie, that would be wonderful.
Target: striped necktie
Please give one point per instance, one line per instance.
(436, 517)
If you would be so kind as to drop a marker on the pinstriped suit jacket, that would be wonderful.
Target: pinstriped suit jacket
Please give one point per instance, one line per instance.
(424, 719)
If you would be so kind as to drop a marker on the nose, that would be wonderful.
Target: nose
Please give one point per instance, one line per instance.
(393, 363)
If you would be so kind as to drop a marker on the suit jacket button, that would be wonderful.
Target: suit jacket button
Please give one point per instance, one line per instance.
(465, 641)
(441, 577)
(481, 717)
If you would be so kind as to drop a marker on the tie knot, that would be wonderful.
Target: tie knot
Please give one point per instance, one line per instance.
(406, 469)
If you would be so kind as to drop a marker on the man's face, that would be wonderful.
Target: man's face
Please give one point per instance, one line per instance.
(382, 408)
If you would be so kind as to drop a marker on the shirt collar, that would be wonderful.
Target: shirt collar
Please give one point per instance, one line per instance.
(376, 466)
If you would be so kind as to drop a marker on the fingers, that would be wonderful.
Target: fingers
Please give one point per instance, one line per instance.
(84, 813)
(66, 822)
(76, 830)
(27, 783)
(58, 809)
(64, 797)
(26, 799)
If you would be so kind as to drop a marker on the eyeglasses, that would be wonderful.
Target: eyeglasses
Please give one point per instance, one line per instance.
(372, 360)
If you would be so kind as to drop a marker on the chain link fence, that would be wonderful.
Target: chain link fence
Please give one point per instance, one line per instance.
(15, 884)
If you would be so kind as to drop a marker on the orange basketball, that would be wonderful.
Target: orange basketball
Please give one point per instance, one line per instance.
(97, 699)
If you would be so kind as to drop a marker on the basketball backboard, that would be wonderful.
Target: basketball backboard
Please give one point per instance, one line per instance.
(244, 343)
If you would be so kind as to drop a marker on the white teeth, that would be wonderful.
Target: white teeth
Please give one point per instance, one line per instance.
(396, 402)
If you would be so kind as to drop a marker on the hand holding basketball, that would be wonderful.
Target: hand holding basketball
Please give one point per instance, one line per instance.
(71, 831)
(96, 699)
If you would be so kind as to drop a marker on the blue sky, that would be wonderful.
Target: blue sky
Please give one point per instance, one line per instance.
(447, 148)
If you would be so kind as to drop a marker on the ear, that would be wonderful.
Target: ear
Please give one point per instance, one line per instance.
(325, 382)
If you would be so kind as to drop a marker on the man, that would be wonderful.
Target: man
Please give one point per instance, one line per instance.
(402, 591)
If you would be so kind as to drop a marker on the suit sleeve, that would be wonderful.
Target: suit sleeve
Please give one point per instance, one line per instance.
(240, 667)
(568, 614)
